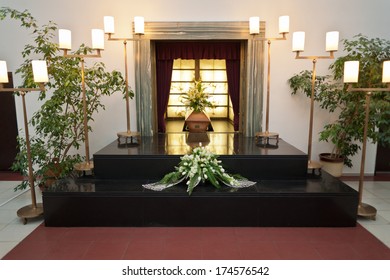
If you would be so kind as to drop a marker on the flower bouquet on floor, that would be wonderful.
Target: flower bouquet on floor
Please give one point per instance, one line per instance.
(199, 166)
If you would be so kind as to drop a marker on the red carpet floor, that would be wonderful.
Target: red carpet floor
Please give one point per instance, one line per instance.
(10, 176)
(200, 244)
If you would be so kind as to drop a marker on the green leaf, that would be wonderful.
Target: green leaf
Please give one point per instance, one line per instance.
(193, 182)
(213, 180)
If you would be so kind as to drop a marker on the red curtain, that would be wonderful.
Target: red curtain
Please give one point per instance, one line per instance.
(167, 51)
(233, 77)
(164, 77)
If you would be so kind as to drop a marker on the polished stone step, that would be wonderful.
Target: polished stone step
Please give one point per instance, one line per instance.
(156, 156)
(320, 201)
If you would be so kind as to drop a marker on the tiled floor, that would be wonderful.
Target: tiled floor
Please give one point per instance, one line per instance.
(195, 243)
(377, 194)
(12, 230)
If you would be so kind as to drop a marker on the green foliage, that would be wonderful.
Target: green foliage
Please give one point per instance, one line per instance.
(371, 53)
(58, 124)
(197, 98)
(332, 95)
(42, 158)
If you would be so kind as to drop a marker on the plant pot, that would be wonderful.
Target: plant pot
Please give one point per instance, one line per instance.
(53, 172)
(332, 165)
(197, 122)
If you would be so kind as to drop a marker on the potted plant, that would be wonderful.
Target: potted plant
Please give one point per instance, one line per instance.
(325, 91)
(197, 100)
(331, 93)
(58, 124)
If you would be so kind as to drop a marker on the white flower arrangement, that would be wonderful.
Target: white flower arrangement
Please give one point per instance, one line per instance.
(197, 98)
(199, 166)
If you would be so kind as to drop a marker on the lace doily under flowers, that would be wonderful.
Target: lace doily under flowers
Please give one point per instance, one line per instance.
(199, 166)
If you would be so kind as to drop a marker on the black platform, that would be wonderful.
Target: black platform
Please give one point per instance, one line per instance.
(324, 202)
(283, 196)
(156, 156)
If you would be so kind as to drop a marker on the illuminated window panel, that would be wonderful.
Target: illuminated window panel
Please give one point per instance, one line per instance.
(218, 112)
(174, 100)
(176, 112)
(213, 75)
(216, 88)
(184, 64)
(212, 64)
(178, 88)
(183, 75)
(220, 88)
(220, 100)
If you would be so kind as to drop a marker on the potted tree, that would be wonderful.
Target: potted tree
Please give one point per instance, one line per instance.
(58, 124)
(331, 93)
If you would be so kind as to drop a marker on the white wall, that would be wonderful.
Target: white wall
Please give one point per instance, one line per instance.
(288, 114)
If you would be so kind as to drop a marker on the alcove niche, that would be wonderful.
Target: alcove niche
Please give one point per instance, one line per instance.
(251, 68)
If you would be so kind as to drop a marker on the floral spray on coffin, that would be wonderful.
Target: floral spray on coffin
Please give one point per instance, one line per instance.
(200, 166)
(197, 100)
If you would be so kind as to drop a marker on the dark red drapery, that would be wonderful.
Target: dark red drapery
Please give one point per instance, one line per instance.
(167, 51)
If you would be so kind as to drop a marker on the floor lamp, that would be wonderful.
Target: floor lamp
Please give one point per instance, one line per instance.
(40, 76)
(109, 29)
(332, 40)
(284, 22)
(65, 42)
(351, 75)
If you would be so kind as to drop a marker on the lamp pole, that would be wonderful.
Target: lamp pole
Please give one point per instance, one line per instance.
(40, 76)
(264, 136)
(351, 75)
(298, 46)
(97, 45)
(109, 28)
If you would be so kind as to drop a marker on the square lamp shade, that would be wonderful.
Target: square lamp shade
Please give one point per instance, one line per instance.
(98, 39)
(254, 25)
(139, 25)
(351, 71)
(3, 72)
(109, 25)
(65, 39)
(40, 71)
(284, 24)
(298, 41)
(332, 41)
(386, 72)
